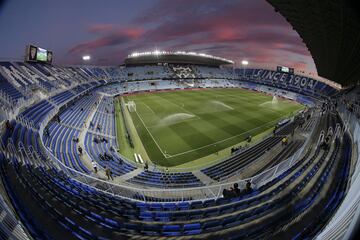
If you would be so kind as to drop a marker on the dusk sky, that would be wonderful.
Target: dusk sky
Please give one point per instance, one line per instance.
(109, 30)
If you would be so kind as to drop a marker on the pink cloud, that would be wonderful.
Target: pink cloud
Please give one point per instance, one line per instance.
(99, 28)
(110, 37)
(232, 29)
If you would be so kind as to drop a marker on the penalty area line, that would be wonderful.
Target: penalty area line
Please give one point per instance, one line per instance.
(223, 140)
(164, 154)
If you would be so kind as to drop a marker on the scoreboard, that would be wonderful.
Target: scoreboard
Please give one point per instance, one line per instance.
(285, 69)
(37, 54)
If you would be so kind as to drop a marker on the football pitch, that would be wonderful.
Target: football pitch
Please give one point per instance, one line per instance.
(178, 127)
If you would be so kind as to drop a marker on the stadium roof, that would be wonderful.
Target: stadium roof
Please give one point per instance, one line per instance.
(331, 32)
(178, 57)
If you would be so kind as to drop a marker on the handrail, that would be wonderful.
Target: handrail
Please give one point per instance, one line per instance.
(203, 192)
(347, 215)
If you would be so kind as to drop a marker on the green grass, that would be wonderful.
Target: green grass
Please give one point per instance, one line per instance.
(179, 127)
(125, 147)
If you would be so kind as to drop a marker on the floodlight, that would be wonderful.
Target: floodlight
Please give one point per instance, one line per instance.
(86, 58)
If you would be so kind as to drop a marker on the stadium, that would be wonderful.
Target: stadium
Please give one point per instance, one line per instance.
(185, 145)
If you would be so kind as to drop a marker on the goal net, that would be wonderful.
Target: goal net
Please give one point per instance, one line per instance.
(131, 106)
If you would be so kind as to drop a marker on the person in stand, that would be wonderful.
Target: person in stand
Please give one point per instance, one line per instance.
(248, 188)
(301, 123)
(227, 193)
(9, 126)
(236, 191)
(47, 132)
(108, 173)
(146, 167)
(80, 150)
(107, 156)
(94, 166)
(275, 128)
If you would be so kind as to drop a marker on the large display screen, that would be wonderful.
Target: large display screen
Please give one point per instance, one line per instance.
(36, 54)
(285, 69)
(41, 55)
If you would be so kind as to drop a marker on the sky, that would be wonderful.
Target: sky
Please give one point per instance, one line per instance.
(110, 30)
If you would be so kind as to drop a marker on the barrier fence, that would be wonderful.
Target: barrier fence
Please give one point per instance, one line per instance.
(347, 217)
(145, 193)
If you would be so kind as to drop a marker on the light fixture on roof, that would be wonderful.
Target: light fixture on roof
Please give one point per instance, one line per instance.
(244, 62)
(86, 58)
(158, 52)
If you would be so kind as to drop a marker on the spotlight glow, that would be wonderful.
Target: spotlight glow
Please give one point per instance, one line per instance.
(86, 58)
(244, 62)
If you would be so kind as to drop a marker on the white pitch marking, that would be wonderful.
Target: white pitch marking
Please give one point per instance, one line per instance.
(223, 140)
(151, 135)
(149, 108)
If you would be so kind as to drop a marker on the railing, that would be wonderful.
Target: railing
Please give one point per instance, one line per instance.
(144, 193)
(10, 227)
(343, 223)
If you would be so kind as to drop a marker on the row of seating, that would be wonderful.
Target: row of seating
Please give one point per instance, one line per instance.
(76, 114)
(230, 166)
(166, 180)
(286, 81)
(338, 191)
(50, 78)
(103, 121)
(61, 97)
(289, 150)
(109, 217)
(117, 165)
(61, 142)
(37, 112)
(9, 89)
(18, 79)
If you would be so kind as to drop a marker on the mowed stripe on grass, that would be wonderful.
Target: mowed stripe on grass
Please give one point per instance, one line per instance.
(180, 126)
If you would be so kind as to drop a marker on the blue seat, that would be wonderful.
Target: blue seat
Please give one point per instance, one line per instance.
(169, 228)
(192, 226)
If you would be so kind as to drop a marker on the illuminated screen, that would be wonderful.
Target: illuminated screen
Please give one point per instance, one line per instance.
(41, 55)
(285, 69)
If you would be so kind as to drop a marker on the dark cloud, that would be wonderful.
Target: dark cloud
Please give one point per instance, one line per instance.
(101, 28)
(233, 29)
(110, 37)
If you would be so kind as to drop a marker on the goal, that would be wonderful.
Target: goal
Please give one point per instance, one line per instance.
(131, 106)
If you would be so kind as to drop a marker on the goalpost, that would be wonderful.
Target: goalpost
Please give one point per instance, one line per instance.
(131, 106)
